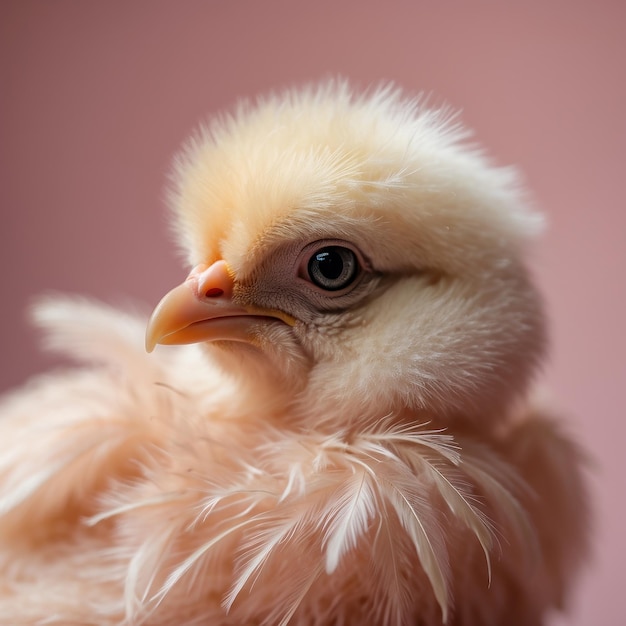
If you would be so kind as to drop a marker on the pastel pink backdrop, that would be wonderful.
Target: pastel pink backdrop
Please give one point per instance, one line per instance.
(96, 97)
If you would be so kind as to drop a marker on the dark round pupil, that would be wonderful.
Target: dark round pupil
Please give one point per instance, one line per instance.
(333, 268)
(330, 264)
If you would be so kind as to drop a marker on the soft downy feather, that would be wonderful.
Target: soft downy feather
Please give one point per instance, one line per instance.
(348, 494)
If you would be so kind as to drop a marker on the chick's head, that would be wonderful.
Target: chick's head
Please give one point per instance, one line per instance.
(354, 255)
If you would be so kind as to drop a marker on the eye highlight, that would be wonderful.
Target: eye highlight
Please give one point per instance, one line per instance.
(333, 268)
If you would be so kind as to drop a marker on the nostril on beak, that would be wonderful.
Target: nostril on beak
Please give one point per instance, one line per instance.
(213, 281)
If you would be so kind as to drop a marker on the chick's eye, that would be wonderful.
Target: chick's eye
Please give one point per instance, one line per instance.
(333, 268)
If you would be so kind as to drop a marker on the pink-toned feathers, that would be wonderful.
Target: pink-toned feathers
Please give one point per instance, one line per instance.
(347, 439)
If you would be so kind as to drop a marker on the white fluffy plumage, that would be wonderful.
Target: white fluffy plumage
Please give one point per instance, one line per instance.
(349, 437)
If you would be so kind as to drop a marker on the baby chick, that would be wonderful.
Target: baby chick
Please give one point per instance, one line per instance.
(349, 437)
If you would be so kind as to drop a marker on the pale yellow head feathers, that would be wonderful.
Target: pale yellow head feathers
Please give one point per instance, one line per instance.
(446, 320)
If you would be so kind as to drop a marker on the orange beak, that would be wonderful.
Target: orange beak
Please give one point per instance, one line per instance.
(201, 309)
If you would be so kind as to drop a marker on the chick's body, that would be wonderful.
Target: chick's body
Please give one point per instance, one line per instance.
(348, 441)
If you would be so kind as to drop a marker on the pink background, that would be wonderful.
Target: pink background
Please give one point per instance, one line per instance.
(95, 98)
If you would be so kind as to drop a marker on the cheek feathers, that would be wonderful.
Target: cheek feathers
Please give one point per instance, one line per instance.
(443, 349)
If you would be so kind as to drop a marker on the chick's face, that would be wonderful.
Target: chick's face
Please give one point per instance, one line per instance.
(357, 259)
(287, 309)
